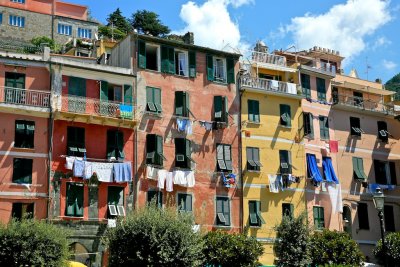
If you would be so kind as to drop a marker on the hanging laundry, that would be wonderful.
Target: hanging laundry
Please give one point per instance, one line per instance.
(189, 127)
(122, 172)
(229, 180)
(334, 146)
(292, 89)
(372, 187)
(152, 173)
(274, 84)
(179, 177)
(169, 182)
(335, 195)
(104, 171)
(273, 188)
(69, 163)
(181, 124)
(88, 170)
(190, 181)
(207, 125)
(79, 167)
(162, 176)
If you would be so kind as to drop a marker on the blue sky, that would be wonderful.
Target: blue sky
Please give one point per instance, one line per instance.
(362, 30)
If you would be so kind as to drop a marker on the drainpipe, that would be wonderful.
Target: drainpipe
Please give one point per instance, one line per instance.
(135, 186)
(50, 139)
(240, 152)
(52, 19)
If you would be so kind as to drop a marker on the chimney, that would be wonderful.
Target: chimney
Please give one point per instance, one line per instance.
(261, 47)
(188, 38)
(378, 80)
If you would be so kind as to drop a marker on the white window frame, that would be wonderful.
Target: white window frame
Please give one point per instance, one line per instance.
(219, 77)
(185, 69)
(84, 33)
(64, 29)
(16, 21)
(158, 55)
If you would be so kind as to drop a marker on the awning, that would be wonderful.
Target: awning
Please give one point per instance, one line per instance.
(329, 172)
(312, 168)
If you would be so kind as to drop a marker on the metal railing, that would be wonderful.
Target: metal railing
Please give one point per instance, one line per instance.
(262, 57)
(26, 97)
(90, 106)
(268, 85)
(364, 104)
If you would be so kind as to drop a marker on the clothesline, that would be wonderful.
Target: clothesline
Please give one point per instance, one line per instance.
(101, 160)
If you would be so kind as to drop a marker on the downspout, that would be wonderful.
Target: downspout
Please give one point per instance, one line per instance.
(52, 19)
(50, 140)
(135, 187)
(238, 92)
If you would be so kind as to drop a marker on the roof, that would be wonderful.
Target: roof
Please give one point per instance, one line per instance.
(363, 88)
(186, 46)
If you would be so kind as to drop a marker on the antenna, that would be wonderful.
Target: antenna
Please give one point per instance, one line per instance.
(367, 66)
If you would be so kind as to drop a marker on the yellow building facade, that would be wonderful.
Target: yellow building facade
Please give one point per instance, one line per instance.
(273, 158)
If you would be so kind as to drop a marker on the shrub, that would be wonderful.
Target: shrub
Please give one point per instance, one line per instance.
(291, 244)
(333, 247)
(230, 250)
(392, 255)
(32, 243)
(155, 237)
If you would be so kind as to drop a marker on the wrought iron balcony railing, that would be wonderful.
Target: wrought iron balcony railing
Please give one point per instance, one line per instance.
(25, 97)
(268, 85)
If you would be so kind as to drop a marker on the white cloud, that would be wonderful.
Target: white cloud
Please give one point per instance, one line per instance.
(344, 27)
(211, 23)
(381, 41)
(389, 65)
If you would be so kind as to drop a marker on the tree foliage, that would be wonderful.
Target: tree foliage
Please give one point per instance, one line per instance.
(32, 243)
(394, 85)
(154, 237)
(119, 21)
(291, 244)
(231, 250)
(333, 247)
(109, 33)
(392, 255)
(148, 22)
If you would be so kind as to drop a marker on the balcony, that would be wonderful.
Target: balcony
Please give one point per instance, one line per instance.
(269, 86)
(325, 69)
(269, 61)
(364, 104)
(33, 100)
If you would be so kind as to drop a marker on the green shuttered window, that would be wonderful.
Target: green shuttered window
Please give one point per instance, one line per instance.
(115, 144)
(324, 128)
(74, 201)
(285, 162)
(253, 159)
(220, 69)
(115, 201)
(76, 141)
(182, 104)
(183, 153)
(167, 59)
(22, 171)
(142, 54)
(223, 212)
(255, 218)
(319, 219)
(253, 110)
(192, 64)
(154, 150)
(285, 115)
(321, 89)
(185, 202)
(308, 119)
(305, 84)
(358, 169)
(224, 157)
(153, 100)
(221, 111)
(24, 134)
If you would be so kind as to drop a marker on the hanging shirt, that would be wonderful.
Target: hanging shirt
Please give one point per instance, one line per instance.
(88, 172)
(79, 167)
(169, 182)
(104, 171)
(69, 163)
(162, 176)
(181, 124)
(273, 188)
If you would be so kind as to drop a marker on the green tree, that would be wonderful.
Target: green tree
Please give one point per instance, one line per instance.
(333, 247)
(394, 85)
(109, 33)
(392, 255)
(32, 243)
(120, 22)
(148, 22)
(154, 237)
(231, 250)
(291, 243)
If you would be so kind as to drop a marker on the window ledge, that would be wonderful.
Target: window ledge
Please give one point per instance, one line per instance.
(182, 169)
(23, 149)
(253, 171)
(153, 114)
(254, 122)
(71, 217)
(255, 227)
(223, 227)
(285, 127)
(21, 185)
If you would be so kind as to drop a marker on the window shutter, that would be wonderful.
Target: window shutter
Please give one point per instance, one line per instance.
(258, 211)
(321, 90)
(220, 206)
(253, 213)
(192, 64)
(316, 215)
(171, 60)
(256, 110)
(120, 144)
(226, 211)
(157, 97)
(188, 203)
(27, 174)
(210, 68)
(250, 108)
(128, 94)
(70, 202)
(220, 152)
(187, 105)
(79, 201)
(311, 125)
(149, 95)
(217, 107)
(256, 155)
(104, 90)
(226, 109)
(393, 179)
(160, 152)
(142, 54)
(164, 59)
(179, 103)
(188, 148)
(230, 62)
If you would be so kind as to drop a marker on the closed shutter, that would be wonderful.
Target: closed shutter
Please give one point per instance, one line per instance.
(230, 63)
(142, 54)
(324, 127)
(171, 60)
(321, 90)
(179, 98)
(188, 152)
(192, 64)
(226, 109)
(217, 108)
(164, 59)
(128, 94)
(253, 213)
(221, 220)
(210, 67)
(250, 108)
(186, 106)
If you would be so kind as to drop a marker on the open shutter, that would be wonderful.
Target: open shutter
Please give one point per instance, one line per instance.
(187, 105)
(256, 110)
(226, 109)
(142, 54)
(217, 107)
(78, 201)
(230, 63)
(258, 211)
(253, 213)
(188, 152)
(188, 203)
(171, 60)
(164, 59)
(70, 203)
(393, 179)
(210, 68)
(250, 108)
(128, 94)
(157, 99)
(159, 151)
(227, 214)
(104, 90)
(179, 96)
(192, 64)
(220, 212)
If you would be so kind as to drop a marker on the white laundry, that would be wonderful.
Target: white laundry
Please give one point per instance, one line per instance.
(189, 127)
(69, 163)
(291, 87)
(274, 84)
(152, 173)
(335, 195)
(104, 171)
(190, 178)
(88, 170)
(169, 182)
(273, 188)
(162, 176)
(179, 177)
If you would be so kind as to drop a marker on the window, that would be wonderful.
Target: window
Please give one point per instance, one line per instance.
(358, 169)
(115, 145)
(285, 116)
(18, 1)
(183, 153)
(305, 85)
(154, 150)
(167, 59)
(76, 141)
(184, 202)
(147, 56)
(383, 133)
(358, 99)
(181, 59)
(17, 21)
(321, 89)
(385, 172)
(22, 210)
(287, 210)
(255, 214)
(155, 196)
(285, 162)
(182, 104)
(153, 99)
(253, 159)
(324, 128)
(84, 33)
(220, 69)
(74, 204)
(224, 157)
(192, 64)
(115, 93)
(115, 201)
(223, 211)
(253, 110)
(362, 210)
(64, 29)
(308, 125)
(221, 109)
(24, 134)
(1, 18)
(355, 127)
(319, 221)
(15, 80)
(22, 171)
(389, 218)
